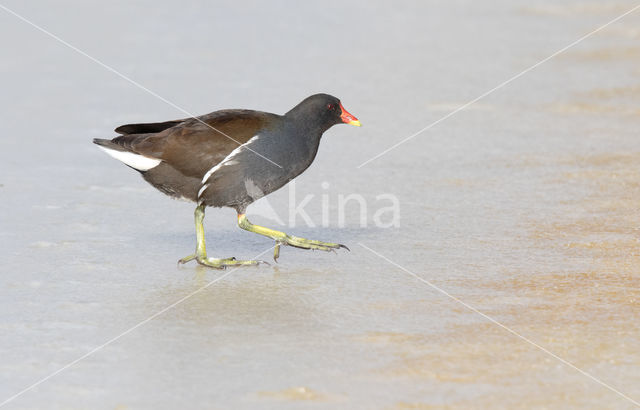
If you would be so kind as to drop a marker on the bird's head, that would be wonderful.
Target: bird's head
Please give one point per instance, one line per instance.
(322, 110)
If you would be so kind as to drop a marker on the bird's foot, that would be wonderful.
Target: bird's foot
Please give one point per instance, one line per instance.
(282, 238)
(220, 263)
(302, 243)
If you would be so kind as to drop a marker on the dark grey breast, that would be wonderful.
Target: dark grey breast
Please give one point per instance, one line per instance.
(267, 162)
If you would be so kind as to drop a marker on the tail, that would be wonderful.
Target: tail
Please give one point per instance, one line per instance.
(109, 144)
(133, 159)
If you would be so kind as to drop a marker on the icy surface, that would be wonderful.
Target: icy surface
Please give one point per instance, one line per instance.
(523, 206)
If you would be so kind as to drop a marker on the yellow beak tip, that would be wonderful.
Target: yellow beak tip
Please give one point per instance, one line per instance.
(356, 123)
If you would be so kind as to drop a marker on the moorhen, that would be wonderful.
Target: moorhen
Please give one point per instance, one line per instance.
(230, 158)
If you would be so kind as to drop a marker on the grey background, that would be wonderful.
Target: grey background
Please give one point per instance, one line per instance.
(523, 205)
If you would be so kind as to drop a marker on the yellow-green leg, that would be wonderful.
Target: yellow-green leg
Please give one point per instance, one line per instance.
(201, 252)
(282, 238)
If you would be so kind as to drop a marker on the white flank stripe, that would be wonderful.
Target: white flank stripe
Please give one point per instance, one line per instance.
(139, 162)
(227, 158)
(204, 188)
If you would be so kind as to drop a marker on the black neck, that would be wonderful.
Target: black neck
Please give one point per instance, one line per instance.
(306, 122)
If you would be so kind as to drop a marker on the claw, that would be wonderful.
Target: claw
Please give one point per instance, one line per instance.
(344, 246)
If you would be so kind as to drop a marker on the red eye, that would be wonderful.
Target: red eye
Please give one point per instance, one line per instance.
(331, 106)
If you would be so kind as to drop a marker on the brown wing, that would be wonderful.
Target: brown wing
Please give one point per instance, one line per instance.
(147, 128)
(195, 145)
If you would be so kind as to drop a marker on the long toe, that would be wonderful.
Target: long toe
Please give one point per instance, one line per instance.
(228, 262)
(307, 245)
(186, 259)
(315, 242)
(312, 244)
